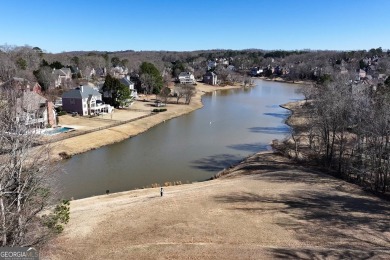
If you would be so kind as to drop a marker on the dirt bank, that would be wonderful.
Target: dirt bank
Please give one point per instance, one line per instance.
(96, 139)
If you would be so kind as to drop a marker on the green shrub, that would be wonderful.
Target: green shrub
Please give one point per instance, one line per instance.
(157, 110)
(59, 217)
(61, 113)
(64, 155)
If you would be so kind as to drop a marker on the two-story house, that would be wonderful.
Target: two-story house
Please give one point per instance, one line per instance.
(127, 82)
(210, 78)
(33, 109)
(62, 76)
(186, 78)
(84, 100)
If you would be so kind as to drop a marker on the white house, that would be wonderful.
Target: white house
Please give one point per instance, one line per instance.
(119, 72)
(186, 78)
(256, 71)
(84, 100)
(211, 64)
(127, 82)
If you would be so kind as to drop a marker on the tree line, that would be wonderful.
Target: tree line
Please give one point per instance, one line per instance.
(347, 130)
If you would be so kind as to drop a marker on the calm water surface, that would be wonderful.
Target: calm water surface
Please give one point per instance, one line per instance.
(232, 125)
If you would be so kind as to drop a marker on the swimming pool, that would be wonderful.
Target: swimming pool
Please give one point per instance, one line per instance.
(58, 130)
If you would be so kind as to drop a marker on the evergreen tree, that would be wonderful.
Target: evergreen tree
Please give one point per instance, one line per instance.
(119, 94)
(149, 69)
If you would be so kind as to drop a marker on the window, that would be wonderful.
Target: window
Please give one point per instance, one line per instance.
(72, 102)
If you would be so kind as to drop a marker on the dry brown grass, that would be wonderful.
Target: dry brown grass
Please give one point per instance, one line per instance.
(264, 208)
(268, 207)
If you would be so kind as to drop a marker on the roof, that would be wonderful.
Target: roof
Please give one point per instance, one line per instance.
(210, 73)
(184, 74)
(126, 81)
(62, 72)
(78, 94)
(21, 83)
(30, 101)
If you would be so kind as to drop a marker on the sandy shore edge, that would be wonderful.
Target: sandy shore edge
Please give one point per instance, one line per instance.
(97, 139)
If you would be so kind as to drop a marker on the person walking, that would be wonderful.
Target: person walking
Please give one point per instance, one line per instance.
(161, 191)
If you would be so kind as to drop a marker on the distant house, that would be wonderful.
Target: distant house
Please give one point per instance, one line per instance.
(35, 110)
(127, 82)
(62, 76)
(88, 73)
(22, 85)
(223, 61)
(279, 70)
(361, 74)
(231, 68)
(256, 71)
(101, 72)
(186, 78)
(210, 78)
(211, 64)
(84, 100)
(119, 72)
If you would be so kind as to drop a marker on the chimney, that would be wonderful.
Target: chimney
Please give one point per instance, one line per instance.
(81, 88)
(51, 120)
(128, 77)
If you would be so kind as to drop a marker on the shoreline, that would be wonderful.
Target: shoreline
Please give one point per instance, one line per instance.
(267, 204)
(282, 80)
(228, 172)
(97, 139)
(264, 205)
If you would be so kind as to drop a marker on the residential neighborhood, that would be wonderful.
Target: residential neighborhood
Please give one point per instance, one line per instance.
(195, 130)
(81, 91)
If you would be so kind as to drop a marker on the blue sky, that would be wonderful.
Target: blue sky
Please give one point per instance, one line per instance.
(57, 26)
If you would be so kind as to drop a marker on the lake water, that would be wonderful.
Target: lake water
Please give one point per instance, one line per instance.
(232, 125)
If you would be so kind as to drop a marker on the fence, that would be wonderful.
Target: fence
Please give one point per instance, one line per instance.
(77, 133)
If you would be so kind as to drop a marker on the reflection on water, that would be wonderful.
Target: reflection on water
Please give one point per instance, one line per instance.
(279, 115)
(216, 163)
(253, 148)
(232, 125)
(283, 129)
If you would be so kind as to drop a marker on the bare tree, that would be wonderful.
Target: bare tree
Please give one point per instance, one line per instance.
(164, 94)
(222, 73)
(7, 67)
(185, 90)
(247, 81)
(45, 77)
(178, 93)
(24, 177)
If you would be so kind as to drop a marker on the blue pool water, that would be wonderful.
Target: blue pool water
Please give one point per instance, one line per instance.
(57, 130)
